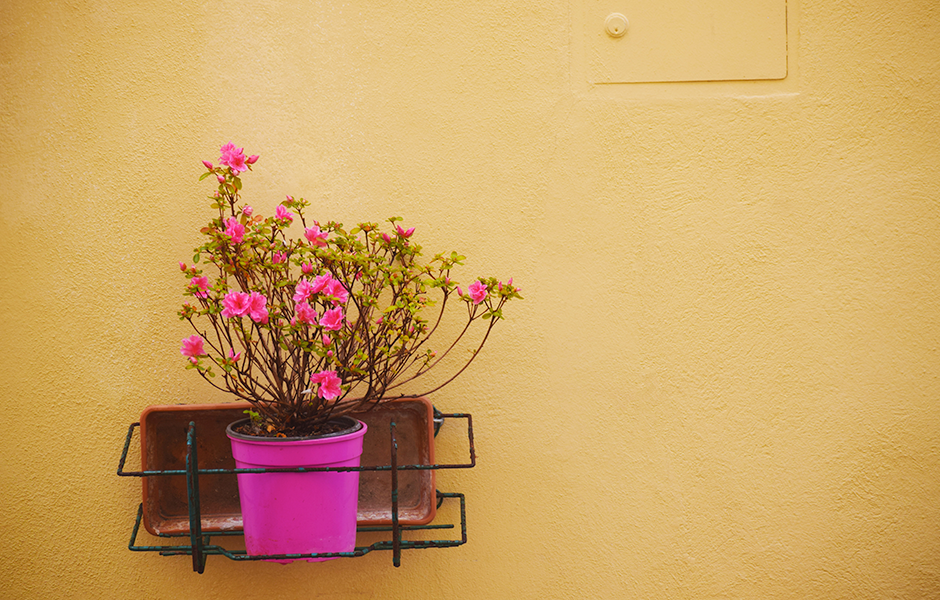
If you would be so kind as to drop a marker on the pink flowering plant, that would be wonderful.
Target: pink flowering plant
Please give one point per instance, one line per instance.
(327, 322)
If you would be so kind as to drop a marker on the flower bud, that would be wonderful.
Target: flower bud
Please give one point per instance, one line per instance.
(220, 178)
(208, 164)
(247, 211)
(252, 159)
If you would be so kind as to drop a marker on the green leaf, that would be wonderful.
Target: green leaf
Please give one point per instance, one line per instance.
(204, 175)
(196, 257)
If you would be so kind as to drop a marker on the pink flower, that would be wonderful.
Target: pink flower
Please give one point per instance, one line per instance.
(252, 159)
(207, 164)
(235, 230)
(387, 238)
(193, 348)
(247, 211)
(233, 356)
(302, 291)
(332, 319)
(279, 257)
(235, 304)
(315, 236)
(478, 292)
(257, 307)
(327, 340)
(307, 268)
(320, 282)
(237, 162)
(201, 284)
(403, 233)
(329, 384)
(335, 289)
(283, 214)
(233, 157)
(305, 314)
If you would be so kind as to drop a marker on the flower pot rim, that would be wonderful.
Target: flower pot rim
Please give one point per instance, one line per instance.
(355, 426)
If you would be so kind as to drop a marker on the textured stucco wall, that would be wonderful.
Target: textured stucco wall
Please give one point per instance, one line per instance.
(723, 382)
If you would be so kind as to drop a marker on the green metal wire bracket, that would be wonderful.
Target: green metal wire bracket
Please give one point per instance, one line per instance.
(200, 545)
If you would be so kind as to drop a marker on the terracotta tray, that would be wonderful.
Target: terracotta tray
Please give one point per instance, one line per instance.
(163, 447)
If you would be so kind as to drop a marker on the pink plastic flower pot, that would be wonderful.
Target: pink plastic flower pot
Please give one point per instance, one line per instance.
(299, 513)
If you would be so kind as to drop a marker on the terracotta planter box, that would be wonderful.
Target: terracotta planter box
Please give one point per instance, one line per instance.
(163, 447)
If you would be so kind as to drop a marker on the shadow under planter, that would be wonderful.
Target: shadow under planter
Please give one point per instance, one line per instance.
(163, 440)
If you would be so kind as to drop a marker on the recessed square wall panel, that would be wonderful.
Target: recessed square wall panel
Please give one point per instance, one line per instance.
(646, 41)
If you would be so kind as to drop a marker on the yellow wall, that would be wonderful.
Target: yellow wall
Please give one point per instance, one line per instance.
(723, 382)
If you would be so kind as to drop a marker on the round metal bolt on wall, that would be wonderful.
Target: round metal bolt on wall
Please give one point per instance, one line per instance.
(616, 25)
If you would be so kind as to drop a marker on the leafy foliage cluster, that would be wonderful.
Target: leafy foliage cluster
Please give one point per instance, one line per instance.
(310, 327)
